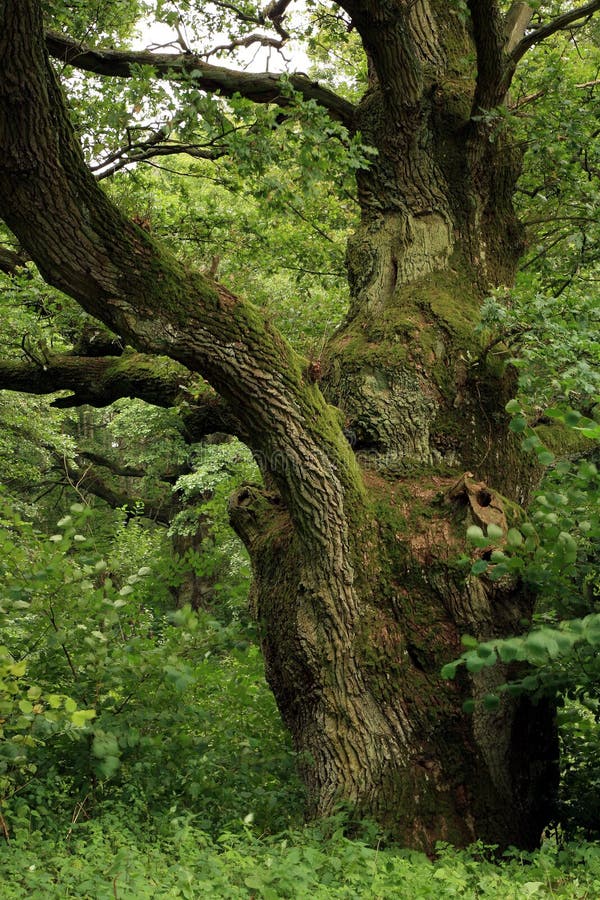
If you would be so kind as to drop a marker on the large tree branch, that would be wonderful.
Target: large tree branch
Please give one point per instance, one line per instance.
(86, 479)
(395, 51)
(118, 273)
(489, 36)
(114, 466)
(541, 32)
(123, 471)
(99, 381)
(260, 87)
(120, 159)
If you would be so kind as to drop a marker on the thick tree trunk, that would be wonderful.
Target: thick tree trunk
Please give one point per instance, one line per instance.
(376, 728)
(357, 674)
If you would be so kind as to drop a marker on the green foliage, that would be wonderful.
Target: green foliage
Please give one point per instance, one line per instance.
(203, 540)
(104, 858)
(131, 675)
(558, 193)
(110, 19)
(557, 343)
(115, 711)
(580, 782)
(555, 554)
(29, 719)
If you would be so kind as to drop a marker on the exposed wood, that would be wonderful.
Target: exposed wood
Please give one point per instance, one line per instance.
(515, 24)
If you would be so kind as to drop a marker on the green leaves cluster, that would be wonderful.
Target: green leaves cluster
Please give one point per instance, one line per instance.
(29, 718)
(102, 676)
(101, 858)
(539, 648)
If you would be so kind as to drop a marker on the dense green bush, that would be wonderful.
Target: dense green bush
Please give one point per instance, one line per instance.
(103, 859)
(116, 702)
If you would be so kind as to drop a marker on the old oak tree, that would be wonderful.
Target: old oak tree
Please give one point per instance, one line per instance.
(353, 542)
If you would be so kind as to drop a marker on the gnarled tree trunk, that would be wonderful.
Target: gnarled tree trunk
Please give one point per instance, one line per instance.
(356, 672)
(355, 581)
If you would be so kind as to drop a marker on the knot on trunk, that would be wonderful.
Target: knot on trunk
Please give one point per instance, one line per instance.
(486, 506)
(251, 513)
(488, 607)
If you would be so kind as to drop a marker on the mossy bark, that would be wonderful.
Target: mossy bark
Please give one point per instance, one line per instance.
(355, 669)
(358, 683)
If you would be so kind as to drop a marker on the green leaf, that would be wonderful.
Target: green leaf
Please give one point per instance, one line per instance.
(518, 424)
(545, 458)
(475, 663)
(474, 533)
(510, 649)
(108, 765)
(81, 717)
(514, 537)
(449, 670)
(468, 641)
(491, 702)
(18, 669)
(494, 532)
(572, 417)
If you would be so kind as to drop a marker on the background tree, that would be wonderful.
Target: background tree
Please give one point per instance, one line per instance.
(353, 548)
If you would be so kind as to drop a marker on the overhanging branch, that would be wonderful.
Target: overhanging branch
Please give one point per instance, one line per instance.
(120, 274)
(86, 479)
(115, 467)
(559, 23)
(120, 159)
(260, 87)
(99, 381)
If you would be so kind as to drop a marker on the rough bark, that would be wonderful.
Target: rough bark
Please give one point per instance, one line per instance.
(355, 584)
(405, 754)
(99, 381)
